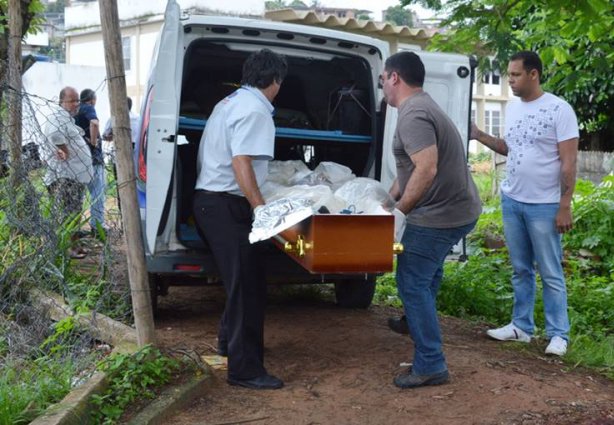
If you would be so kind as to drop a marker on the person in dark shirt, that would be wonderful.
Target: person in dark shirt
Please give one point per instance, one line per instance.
(88, 120)
(437, 205)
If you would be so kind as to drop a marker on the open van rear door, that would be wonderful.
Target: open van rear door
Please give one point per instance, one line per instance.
(163, 104)
(448, 81)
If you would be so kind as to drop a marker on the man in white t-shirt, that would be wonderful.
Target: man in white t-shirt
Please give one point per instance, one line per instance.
(135, 129)
(541, 145)
(236, 146)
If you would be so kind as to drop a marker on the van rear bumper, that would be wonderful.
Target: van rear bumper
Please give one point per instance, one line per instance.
(199, 264)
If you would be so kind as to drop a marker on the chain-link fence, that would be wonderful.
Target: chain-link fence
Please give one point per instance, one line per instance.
(60, 233)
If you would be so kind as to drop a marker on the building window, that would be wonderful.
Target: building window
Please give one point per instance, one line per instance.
(493, 77)
(496, 77)
(493, 123)
(126, 52)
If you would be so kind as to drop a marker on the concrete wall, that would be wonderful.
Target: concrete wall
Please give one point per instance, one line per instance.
(87, 49)
(43, 82)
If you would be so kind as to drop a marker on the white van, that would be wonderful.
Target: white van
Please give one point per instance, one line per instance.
(329, 108)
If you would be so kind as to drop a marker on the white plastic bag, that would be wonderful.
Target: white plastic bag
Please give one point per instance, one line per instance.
(328, 173)
(365, 196)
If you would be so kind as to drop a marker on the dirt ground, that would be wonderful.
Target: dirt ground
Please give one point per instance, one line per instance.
(338, 367)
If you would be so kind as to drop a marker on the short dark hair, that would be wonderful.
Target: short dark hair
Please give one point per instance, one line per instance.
(129, 100)
(530, 61)
(263, 67)
(87, 95)
(409, 66)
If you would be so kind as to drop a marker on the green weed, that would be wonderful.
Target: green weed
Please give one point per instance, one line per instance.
(480, 288)
(131, 377)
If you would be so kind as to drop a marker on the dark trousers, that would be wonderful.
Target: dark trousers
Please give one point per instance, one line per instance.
(67, 197)
(225, 221)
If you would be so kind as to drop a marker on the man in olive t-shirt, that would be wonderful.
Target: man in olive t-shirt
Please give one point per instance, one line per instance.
(437, 202)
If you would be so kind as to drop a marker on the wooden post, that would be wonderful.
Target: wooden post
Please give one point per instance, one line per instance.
(137, 273)
(14, 91)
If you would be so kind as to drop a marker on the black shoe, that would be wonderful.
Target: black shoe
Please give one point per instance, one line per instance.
(264, 382)
(399, 325)
(408, 380)
(222, 351)
(80, 234)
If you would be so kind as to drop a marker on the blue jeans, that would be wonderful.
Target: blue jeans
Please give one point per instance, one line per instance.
(531, 237)
(97, 188)
(419, 273)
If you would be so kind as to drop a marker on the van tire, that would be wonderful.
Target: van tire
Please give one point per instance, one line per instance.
(355, 293)
(154, 288)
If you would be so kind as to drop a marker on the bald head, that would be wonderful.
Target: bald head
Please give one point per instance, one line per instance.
(69, 100)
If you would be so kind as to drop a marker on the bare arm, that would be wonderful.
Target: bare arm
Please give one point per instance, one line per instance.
(425, 162)
(62, 152)
(495, 143)
(244, 173)
(94, 132)
(568, 152)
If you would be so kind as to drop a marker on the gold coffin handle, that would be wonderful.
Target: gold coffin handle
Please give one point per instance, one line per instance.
(298, 248)
(397, 248)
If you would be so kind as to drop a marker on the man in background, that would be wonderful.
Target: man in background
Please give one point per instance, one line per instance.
(107, 136)
(88, 120)
(135, 127)
(68, 159)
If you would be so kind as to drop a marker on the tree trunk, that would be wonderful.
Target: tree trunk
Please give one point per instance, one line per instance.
(137, 273)
(14, 91)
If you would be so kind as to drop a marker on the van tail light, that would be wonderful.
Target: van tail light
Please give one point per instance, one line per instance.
(187, 267)
(142, 157)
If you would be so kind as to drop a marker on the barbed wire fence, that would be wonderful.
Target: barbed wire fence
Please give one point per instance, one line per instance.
(47, 244)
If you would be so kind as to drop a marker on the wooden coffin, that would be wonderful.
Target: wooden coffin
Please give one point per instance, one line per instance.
(341, 243)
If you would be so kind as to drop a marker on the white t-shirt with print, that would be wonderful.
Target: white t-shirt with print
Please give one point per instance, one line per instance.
(533, 131)
(240, 124)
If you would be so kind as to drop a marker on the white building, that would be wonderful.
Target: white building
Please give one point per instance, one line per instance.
(140, 22)
(491, 92)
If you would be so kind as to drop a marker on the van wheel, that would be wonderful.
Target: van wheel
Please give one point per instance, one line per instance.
(154, 286)
(355, 293)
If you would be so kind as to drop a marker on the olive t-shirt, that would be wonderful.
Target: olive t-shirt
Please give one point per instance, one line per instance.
(452, 200)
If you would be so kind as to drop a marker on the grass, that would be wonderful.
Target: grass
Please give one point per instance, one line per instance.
(20, 400)
(41, 370)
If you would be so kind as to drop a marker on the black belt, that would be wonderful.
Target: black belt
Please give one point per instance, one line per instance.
(211, 192)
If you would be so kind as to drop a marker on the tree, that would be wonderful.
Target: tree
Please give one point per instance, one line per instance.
(574, 40)
(56, 7)
(30, 19)
(275, 4)
(398, 15)
(297, 3)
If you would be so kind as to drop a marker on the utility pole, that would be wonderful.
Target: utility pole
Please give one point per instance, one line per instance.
(137, 273)
(14, 91)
